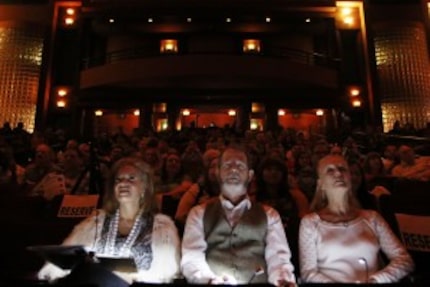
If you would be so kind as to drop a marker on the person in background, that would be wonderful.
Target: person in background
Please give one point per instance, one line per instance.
(339, 242)
(390, 157)
(360, 187)
(411, 166)
(43, 163)
(200, 192)
(128, 226)
(231, 240)
(276, 188)
(71, 179)
(373, 167)
(173, 179)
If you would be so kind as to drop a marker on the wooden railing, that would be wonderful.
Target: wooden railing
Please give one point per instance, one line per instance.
(294, 55)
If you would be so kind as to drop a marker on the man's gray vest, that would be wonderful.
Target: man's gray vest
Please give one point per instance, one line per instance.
(237, 251)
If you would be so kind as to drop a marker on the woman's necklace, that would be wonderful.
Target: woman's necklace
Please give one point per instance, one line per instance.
(124, 250)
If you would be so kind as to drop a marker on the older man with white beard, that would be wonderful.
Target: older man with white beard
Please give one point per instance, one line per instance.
(231, 240)
(340, 242)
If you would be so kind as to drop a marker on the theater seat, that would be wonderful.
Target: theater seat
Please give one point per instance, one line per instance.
(407, 211)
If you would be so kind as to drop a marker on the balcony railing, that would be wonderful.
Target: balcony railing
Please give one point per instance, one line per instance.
(293, 55)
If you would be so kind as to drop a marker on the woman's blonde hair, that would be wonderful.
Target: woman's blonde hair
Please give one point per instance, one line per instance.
(147, 203)
(320, 200)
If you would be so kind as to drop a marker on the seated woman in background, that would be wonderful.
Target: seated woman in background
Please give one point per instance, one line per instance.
(359, 186)
(274, 189)
(340, 242)
(173, 180)
(373, 166)
(128, 226)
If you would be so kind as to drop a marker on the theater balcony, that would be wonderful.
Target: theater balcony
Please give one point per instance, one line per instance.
(278, 73)
(146, 51)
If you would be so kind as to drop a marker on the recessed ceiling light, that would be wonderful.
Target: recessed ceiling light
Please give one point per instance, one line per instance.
(189, 20)
(150, 20)
(268, 19)
(308, 20)
(228, 20)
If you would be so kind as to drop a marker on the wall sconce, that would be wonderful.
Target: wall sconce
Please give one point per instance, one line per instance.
(348, 15)
(232, 113)
(319, 113)
(169, 46)
(251, 46)
(353, 92)
(69, 21)
(68, 16)
(61, 103)
(257, 108)
(98, 113)
(136, 113)
(186, 113)
(356, 103)
(349, 20)
(70, 11)
(62, 92)
(281, 113)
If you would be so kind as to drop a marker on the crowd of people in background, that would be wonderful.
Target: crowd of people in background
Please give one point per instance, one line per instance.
(185, 166)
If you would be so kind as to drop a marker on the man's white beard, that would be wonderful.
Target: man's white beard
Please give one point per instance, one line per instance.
(233, 191)
(338, 200)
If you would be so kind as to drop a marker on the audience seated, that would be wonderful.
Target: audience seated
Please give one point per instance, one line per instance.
(28, 220)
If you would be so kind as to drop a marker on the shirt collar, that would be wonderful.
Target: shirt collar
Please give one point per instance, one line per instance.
(244, 204)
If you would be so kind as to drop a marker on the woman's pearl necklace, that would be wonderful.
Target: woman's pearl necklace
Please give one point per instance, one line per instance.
(113, 233)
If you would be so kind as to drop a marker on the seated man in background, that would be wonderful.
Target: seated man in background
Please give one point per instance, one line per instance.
(339, 242)
(410, 166)
(230, 240)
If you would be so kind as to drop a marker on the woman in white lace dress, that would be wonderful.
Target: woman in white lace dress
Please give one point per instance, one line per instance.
(340, 242)
(128, 226)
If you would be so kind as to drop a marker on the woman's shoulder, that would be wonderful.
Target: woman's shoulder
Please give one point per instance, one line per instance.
(161, 220)
(369, 214)
(164, 230)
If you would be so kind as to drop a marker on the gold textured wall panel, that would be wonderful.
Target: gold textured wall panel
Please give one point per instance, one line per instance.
(20, 67)
(403, 72)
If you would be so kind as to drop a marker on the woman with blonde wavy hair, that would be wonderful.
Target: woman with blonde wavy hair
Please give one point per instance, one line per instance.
(339, 242)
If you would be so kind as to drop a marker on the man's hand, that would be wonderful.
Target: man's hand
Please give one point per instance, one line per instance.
(284, 283)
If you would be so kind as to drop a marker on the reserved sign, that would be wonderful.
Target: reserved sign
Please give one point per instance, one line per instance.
(415, 230)
(78, 205)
